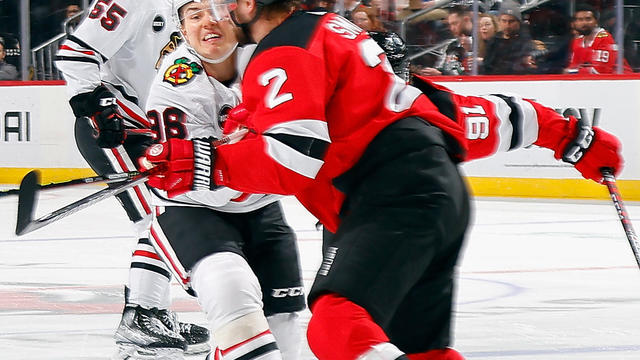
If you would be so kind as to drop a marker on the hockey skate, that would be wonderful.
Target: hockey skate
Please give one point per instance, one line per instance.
(142, 336)
(197, 337)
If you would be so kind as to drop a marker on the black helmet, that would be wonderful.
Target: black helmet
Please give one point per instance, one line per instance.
(395, 49)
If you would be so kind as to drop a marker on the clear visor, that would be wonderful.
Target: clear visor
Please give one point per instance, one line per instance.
(210, 10)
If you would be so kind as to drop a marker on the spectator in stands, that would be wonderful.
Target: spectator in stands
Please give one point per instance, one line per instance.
(321, 5)
(594, 51)
(510, 50)
(70, 11)
(7, 71)
(349, 7)
(551, 31)
(455, 59)
(632, 43)
(487, 28)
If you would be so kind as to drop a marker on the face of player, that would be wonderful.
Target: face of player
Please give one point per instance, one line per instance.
(486, 28)
(585, 22)
(361, 19)
(209, 30)
(244, 11)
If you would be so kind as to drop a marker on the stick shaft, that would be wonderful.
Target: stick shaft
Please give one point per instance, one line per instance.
(100, 179)
(623, 215)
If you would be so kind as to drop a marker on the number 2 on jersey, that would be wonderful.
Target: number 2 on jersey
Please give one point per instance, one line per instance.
(273, 98)
(113, 15)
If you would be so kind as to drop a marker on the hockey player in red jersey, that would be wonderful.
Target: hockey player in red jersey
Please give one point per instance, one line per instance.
(375, 160)
(595, 51)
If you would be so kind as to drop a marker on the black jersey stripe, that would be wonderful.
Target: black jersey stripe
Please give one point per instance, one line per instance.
(76, 59)
(86, 46)
(122, 91)
(440, 98)
(153, 268)
(516, 121)
(312, 147)
(259, 351)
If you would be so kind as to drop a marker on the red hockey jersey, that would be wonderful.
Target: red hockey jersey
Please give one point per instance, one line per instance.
(596, 57)
(319, 90)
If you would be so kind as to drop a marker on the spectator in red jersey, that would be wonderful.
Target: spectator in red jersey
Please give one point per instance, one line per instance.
(594, 51)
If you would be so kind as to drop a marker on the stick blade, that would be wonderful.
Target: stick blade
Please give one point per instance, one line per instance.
(27, 201)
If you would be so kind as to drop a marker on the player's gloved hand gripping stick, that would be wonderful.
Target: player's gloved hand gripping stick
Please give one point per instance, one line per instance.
(27, 199)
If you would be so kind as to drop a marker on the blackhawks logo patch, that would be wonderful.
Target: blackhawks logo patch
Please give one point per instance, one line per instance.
(181, 71)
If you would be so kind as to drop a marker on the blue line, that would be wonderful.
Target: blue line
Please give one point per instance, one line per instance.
(512, 290)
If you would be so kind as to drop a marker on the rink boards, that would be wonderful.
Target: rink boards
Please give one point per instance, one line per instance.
(37, 132)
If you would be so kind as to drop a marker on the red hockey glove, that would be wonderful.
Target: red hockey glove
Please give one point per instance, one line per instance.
(236, 118)
(590, 149)
(187, 165)
(100, 106)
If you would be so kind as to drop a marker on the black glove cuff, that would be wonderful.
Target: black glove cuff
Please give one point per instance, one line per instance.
(81, 105)
(203, 158)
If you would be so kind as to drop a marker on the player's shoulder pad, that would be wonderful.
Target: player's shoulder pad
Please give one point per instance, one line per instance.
(180, 67)
(297, 30)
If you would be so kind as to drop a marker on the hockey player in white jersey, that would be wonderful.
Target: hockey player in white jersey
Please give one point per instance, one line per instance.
(238, 249)
(108, 64)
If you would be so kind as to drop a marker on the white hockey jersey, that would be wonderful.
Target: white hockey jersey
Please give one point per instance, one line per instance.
(120, 44)
(184, 102)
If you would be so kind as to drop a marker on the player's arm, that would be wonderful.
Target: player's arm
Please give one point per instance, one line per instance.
(283, 90)
(105, 29)
(521, 123)
(498, 123)
(289, 136)
(101, 34)
(176, 113)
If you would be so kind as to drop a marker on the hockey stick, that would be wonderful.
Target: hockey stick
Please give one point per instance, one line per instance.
(610, 181)
(30, 186)
(101, 179)
(29, 189)
(109, 178)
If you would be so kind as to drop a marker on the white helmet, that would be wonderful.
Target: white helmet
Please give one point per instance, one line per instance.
(218, 10)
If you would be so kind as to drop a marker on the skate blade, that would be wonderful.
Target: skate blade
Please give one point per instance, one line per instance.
(198, 349)
(134, 352)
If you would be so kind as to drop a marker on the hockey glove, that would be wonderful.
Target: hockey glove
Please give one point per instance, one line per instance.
(590, 149)
(100, 106)
(236, 119)
(187, 165)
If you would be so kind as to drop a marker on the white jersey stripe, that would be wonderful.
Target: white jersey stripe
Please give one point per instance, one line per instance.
(292, 159)
(306, 127)
(529, 121)
(505, 128)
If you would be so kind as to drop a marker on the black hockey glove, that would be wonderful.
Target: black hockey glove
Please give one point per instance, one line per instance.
(100, 106)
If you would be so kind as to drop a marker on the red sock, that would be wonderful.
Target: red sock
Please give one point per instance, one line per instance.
(438, 354)
(341, 330)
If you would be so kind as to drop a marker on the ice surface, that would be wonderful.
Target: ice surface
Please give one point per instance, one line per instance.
(537, 280)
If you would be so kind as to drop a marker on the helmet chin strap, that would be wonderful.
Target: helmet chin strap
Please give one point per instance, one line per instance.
(218, 60)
